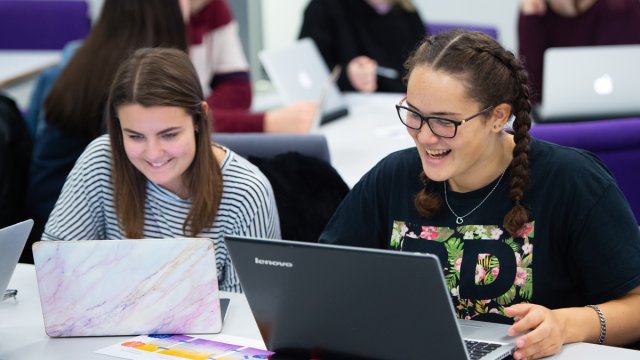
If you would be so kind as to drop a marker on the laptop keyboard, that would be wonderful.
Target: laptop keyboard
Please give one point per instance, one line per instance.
(478, 349)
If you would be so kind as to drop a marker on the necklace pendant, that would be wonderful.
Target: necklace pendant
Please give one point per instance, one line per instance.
(459, 220)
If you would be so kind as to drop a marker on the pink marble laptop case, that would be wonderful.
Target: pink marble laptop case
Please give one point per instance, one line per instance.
(128, 287)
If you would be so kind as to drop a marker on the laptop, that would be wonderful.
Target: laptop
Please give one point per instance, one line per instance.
(128, 287)
(590, 83)
(12, 241)
(317, 300)
(327, 87)
(299, 73)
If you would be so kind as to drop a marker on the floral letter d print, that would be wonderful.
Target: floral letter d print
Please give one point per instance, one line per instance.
(494, 272)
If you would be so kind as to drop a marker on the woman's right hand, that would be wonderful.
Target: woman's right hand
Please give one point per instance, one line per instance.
(296, 117)
(361, 72)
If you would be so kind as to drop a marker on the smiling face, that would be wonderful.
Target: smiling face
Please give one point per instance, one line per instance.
(160, 142)
(471, 159)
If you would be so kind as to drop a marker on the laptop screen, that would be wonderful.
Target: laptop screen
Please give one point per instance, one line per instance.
(313, 299)
(128, 287)
(299, 73)
(590, 82)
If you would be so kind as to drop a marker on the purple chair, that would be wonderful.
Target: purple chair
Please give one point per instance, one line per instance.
(616, 142)
(435, 28)
(42, 24)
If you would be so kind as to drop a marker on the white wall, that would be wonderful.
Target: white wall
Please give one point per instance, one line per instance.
(282, 19)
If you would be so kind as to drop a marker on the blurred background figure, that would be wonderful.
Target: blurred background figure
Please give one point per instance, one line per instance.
(216, 52)
(557, 23)
(68, 103)
(369, 38)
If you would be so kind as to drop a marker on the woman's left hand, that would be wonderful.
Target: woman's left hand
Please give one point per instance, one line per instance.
(546, 331)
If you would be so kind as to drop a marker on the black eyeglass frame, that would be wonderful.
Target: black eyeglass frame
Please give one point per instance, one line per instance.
(427, 119)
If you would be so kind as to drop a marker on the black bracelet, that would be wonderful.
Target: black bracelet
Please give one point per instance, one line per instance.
(603, 323)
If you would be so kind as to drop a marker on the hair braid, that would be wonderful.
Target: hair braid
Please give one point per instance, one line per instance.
(427, 203)
(518, 216)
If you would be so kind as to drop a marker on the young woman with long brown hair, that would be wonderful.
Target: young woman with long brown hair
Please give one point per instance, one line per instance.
(157, 174)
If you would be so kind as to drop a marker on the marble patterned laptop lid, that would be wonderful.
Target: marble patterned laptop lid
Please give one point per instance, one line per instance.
(128, 287)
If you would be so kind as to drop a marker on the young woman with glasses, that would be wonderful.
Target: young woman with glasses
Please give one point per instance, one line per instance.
(485, 199)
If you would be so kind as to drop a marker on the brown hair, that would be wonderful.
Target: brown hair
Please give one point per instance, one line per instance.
(492, 75)
(162, 77)
(76, 101)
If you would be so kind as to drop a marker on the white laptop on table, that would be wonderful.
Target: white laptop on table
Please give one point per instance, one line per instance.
(12, 241)
(590, 83)
(299, 73)
(128, 287)
(323, 301)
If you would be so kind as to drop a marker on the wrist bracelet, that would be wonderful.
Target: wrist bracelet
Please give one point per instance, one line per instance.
(603, 323)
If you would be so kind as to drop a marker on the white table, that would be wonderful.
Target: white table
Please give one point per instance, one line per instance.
(22, 335)
(17, 65)
(370, 132)
(19, 68)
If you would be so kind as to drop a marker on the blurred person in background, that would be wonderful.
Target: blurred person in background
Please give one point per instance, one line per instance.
(543, 24)
(369, 38)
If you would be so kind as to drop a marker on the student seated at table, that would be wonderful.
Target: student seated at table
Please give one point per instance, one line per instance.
(543, 24)
(68, 104)
(157, 174)
(369, 38)
(528, 232)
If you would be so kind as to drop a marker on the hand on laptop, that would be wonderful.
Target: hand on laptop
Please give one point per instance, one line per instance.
(361, 72)
(547, 330)
(296, 117)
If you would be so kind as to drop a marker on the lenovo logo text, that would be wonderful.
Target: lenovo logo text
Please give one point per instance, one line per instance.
(274, 263)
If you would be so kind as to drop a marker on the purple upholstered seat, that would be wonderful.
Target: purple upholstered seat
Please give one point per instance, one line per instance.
(616, 142)
(435, 28)
(42, 24)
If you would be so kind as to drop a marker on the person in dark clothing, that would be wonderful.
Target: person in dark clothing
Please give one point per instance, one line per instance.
(484, 199)
(369, 38)
(543, 24)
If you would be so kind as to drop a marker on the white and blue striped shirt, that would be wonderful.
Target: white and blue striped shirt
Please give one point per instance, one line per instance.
(85, 208)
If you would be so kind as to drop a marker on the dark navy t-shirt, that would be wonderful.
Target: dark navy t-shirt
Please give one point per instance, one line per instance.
(580, 246)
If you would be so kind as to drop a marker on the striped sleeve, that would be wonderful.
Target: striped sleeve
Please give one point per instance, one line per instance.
(248, 208)
(79, 211)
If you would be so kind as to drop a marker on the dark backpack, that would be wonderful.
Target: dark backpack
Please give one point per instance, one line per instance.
(307, 191)
(15, 155)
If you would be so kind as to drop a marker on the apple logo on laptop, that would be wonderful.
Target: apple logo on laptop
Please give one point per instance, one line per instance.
(304, 79)
(603, 85)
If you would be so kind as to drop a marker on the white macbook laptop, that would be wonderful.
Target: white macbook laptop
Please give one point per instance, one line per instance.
(128, 287)
(12, 241)
(299, 73)
(590, 82)
(324, 301)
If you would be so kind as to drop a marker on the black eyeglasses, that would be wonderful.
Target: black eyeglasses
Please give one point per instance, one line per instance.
(441, 127)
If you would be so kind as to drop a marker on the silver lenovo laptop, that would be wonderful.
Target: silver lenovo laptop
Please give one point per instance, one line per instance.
(12, 241)
(299, 73)
(590, 82)
(128, 287)
(324, 301)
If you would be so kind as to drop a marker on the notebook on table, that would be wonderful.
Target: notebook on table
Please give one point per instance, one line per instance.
(12, 241)
(327, 301)
(128, 287)
(299, 73)
(590, 83)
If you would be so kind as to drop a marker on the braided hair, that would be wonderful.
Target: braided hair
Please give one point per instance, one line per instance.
(492, 75)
